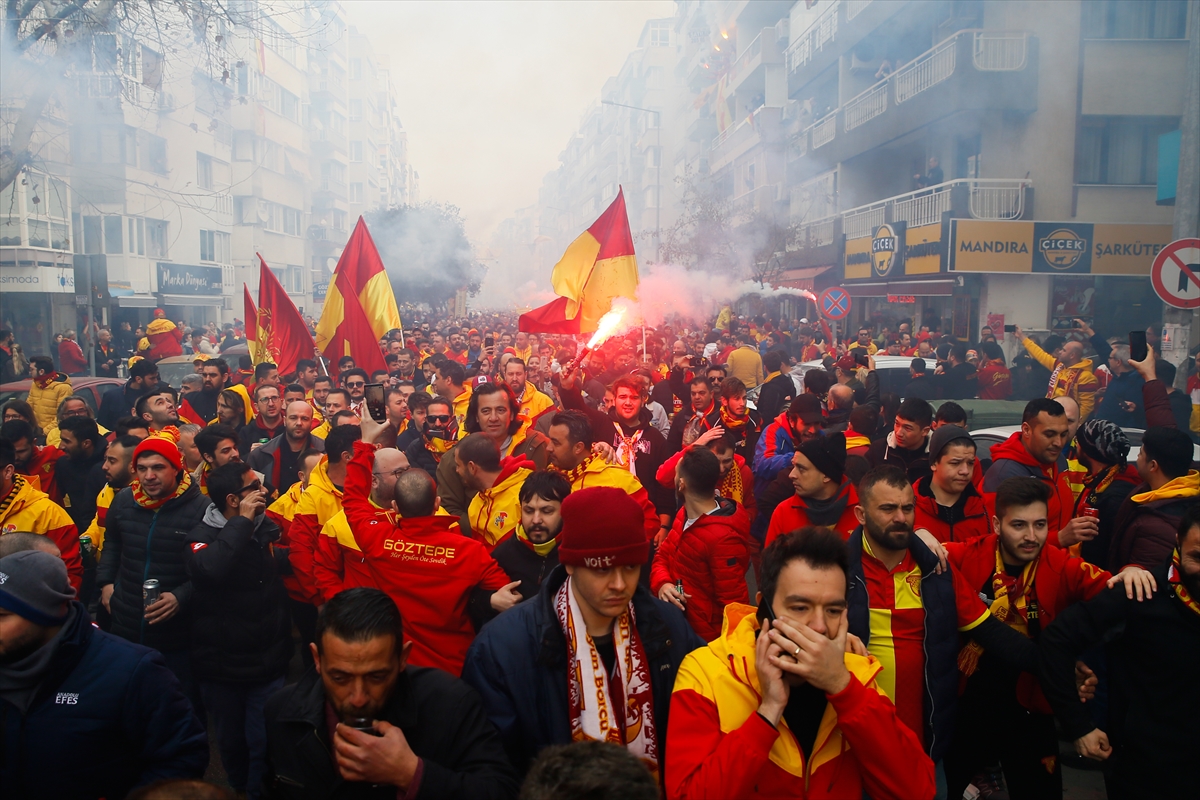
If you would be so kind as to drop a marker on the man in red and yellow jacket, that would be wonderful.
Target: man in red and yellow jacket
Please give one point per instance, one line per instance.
(786, 712)
(823, 495)
(164, 336)
(24, 508)
(421, 561)
(282, 512)
(318, 504)
(737, 481)
(706, 551)
(1002, 714)
(495, 509)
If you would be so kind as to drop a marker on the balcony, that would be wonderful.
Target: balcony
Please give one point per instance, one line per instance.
(751, 63)
(832, 34)
(763, 125)
(761, 198)
(973, 70)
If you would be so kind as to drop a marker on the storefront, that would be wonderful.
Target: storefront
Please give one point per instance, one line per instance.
(190, 293)
(37, 298)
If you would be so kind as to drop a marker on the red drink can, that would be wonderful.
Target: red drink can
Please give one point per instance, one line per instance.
(1089, 511)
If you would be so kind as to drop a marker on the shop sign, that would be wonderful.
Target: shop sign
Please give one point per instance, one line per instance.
(319, 291)
(52, 279)
(901, 298)
(188, 279)
(895, 251)
(1055, 248)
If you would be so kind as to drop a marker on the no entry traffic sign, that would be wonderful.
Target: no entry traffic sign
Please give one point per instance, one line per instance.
(835, 303)
(1176, 273)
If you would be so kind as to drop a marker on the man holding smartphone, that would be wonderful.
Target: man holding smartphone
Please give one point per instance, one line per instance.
(1122, 398)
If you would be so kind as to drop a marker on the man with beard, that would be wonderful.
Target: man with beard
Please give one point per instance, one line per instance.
(1002, 713)
(430, 736)
(824, 497)
(909, 613)
(278, 459)
(38, 465)
(53, 661)
(439, 432)
(778, 388)
(530, 402)
(335, 400)
(24, 508)
(218, 446)
(1153, 648)
(318, 504)
(84, 447)
(495, 485)
(737, 481)
(204, 402)
(702, 415)
(268, 419)
(592, 631)
(322, 385)
(157, 408)
(531, 553)
(117, 469)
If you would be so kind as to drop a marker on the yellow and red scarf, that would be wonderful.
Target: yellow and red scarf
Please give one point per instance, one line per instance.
(542, 549)
(573, 475)
(149, 503)
(731, 487)
(43, 381)
(732, 423)
(1020, 614)
(1175, 582)
(617, 708)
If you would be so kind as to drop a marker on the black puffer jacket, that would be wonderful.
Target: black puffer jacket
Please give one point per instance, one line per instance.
(241, 631)
(141, 544)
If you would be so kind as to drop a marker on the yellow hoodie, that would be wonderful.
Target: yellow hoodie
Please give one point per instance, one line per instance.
(495, 512)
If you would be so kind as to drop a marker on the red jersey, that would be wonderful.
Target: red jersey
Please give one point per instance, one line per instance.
(994, 381)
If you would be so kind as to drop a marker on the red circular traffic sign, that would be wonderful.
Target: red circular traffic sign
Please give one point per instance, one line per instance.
(1175, 273)
(834, 303)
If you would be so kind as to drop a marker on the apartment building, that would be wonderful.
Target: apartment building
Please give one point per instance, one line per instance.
(988, 161)
(164, 167)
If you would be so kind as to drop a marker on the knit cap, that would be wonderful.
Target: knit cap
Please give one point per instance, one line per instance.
(159, 446)
(828, 454)
(1104, 441)
(34, 585)
(943, 436)
(602, 527)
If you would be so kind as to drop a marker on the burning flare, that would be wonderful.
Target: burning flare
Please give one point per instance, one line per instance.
(606, 327)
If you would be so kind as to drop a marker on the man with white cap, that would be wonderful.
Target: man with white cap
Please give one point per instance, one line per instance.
(67, 688)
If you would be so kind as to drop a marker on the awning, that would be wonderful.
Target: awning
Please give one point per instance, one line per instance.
(913, 288)
(137, 301)
(801, 278)
(192, 300)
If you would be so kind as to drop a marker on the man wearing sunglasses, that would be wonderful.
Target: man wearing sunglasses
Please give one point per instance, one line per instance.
(354, 381)
(438, 434)
(240, 627)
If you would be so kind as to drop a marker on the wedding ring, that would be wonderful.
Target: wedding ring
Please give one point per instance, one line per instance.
(797, 650)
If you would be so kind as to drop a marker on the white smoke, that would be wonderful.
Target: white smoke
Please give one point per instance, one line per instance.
(667, 290)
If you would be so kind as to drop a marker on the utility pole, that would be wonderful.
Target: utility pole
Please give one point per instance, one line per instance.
(1187, 192)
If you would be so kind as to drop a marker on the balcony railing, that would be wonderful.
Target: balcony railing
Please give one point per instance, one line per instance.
(820, 33)
(866, 106)
(988, 199)
(924, 207)
(997, 199)
(1000, 51)
(819, 233)
(823, 132)
(860, 222)
(925, 71)
(854, 7)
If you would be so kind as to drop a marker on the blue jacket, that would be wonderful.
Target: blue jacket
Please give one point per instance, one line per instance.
(1126, 388)
(518, 664)
(109, 717)
(941, 636)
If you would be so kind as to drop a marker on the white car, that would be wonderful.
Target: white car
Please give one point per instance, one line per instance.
(985, 438)
(893, 372)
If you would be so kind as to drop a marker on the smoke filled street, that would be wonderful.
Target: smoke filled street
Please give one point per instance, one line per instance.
(658, 399)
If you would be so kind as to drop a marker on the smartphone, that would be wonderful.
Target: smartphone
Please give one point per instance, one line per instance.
(1138, 349)
(1010, 328)
(489, 341)
(765, 614)
(375, 402)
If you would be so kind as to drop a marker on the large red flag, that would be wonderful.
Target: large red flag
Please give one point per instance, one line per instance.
(253, 342)
(359, 305)
(282, 335)
(599, 266)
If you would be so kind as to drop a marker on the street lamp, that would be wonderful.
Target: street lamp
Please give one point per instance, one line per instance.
(657, 172)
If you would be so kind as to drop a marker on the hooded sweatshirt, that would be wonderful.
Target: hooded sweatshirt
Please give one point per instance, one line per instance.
(966, 519)
(1010, 459)
(27, 509)
(721, 747)
(495, 512)
(319, 503)
(1076, 381)
(836, 513)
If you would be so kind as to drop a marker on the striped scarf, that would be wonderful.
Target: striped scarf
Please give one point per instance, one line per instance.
(149, 503)
(1175, 582)
(574, 475)
(1020, 614)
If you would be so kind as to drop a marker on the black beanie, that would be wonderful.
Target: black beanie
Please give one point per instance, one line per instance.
(828, 454)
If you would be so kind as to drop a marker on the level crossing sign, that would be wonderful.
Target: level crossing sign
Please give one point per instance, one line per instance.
(834, 303)
(1176, 273)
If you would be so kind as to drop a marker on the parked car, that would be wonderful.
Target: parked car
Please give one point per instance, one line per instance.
(893, 372)
(172, 369)
(92, 389)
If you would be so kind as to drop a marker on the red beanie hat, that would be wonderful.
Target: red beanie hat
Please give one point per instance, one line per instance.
(160, 446)
(602, 527)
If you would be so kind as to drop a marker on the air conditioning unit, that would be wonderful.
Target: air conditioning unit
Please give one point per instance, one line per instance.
(858, 66)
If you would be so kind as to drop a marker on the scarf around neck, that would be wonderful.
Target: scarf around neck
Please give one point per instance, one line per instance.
(544, 549)
(1175, 582)
(1015, 605)
(43, 381)
(150, 504)
(576, 473)
(618, 708)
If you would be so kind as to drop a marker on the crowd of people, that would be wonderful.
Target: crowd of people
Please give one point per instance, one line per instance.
(675, 565)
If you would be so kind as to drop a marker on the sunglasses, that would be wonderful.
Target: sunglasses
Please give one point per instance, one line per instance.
(355, 385)
(442, 418)
(254, 487)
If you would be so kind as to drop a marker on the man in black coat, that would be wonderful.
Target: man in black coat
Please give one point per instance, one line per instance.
(1152, 652)
(523, 663)
(778, 389)
(119, 401)
(75, 475)
(701, 414)
(241, 631)
(147, 528)
(907, 445)
(530, 554)
(82, 713)
(364, 724)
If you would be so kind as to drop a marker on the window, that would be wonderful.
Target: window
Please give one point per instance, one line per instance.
(654, 77)
(214, 246)
(141, 236)
(660, 33)
(355, 69)
(294, 282)
(355, 110)
(112, 236)
(155, 151)
(651, 195)
(356, 152)
(1135, 19)
(339, 220)
(243, 146)
(1120, 150)
(204, 171)
(93, 239)
(289, 105)
(356, 193)
(291, 221)
(152, 64)
(156, 238)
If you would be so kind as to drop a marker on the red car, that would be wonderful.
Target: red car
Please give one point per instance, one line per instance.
(92, 389)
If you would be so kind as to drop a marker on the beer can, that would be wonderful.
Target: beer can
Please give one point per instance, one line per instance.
(85, 544)
(679, 588)
(1089, 511)
(150, 593)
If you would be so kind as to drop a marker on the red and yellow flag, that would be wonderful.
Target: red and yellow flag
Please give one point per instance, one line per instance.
(359, 305)
(282, 336)
(253, 340)
(598, 267)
